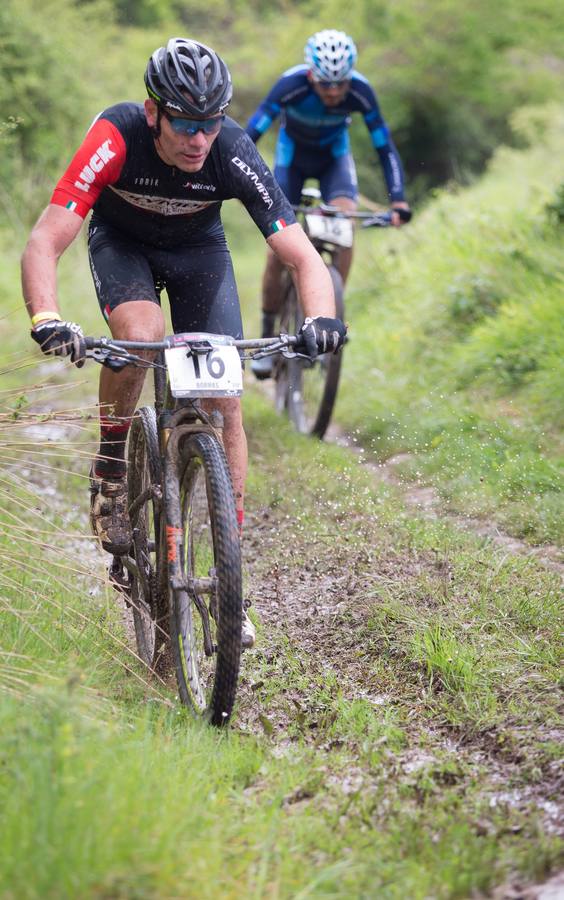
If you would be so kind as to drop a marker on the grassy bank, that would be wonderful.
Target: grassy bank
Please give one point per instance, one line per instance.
(398, 732)
(456, 353)
(397, 729)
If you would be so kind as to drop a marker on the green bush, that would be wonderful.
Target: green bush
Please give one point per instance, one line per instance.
(51, 72)
(555, 209)
(472, 297)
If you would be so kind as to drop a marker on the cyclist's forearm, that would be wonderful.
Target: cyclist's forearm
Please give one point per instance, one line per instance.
(315, 289)
(39, 280)
(52, 234)
(393, 170)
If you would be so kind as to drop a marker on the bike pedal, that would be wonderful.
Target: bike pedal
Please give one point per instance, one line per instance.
(119, 579)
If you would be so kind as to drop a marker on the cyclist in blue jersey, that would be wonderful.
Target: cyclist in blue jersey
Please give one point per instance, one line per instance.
(315, 102)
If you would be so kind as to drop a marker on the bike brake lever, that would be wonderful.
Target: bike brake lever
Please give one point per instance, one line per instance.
(379, 220)
(292, 354)
(102, 354)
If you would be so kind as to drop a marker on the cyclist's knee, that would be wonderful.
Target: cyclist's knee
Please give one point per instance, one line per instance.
(344, 203)
(230, 409)
(140, 320)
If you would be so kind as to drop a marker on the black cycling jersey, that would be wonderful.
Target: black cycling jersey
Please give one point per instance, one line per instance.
(154, 226)
(119, 173)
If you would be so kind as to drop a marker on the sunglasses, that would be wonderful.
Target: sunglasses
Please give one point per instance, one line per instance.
(333, 84)
(181, 125)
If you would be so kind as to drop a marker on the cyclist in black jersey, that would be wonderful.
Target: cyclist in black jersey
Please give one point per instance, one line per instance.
(155, 176)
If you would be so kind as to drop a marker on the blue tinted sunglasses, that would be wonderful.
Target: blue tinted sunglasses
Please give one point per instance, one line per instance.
(181, 125)
(334, 84)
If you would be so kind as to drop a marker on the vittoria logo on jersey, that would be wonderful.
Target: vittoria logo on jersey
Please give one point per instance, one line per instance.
(255, 179)
(197, 186)
(96, 163)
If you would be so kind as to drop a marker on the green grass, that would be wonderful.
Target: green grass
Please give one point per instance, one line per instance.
(108, 790)
(409, 750)
(457, 347)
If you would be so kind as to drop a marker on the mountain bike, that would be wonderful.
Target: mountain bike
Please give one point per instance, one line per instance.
(307, 389)
(182, 578)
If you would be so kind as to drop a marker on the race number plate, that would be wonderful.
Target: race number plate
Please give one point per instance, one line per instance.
(217, 373)
(335, 231)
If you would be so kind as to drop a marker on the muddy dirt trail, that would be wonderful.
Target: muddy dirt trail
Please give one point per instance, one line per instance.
(426, 501)
(314, 611)
(314, 598)
(318, 621)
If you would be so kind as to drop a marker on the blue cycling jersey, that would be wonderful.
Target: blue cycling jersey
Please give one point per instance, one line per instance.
(307, 124)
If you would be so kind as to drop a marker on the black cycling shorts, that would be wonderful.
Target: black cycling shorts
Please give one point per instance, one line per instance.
(199, 280)
(294, 164)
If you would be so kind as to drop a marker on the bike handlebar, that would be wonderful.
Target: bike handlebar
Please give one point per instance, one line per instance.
(187, 340)
(367, 219)
(104, 348)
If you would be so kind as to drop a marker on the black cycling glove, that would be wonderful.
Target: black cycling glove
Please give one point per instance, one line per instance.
(321, 335)
(61, 339)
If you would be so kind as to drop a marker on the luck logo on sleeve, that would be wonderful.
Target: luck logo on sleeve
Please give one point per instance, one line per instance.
(96, 163)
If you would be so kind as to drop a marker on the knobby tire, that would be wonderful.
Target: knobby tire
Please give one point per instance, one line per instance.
(210, 552)
(148, 599)
(294, 377)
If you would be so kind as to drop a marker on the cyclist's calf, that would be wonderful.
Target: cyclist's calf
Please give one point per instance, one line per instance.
(139, 320)
(234, 442)
(345, 255)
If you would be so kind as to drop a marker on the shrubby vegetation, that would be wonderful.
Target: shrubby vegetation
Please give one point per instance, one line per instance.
(52, 74)
(448, 78)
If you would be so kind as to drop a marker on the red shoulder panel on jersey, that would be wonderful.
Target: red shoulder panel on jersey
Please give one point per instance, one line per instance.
(97, 163)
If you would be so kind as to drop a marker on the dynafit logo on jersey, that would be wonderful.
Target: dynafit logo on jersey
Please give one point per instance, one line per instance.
(255, 179)
(96, 163)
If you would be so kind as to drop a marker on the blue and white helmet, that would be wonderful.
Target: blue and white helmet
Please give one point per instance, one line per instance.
(330, 55)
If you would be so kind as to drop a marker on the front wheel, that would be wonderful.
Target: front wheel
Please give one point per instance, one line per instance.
(307, 390)
(205, 582)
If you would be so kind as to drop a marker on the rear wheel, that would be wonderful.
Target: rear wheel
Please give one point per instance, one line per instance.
(148, 598)
(307, 390)
(206, 589)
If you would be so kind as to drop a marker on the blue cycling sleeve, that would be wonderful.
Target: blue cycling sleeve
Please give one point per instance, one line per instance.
(393, 169)
(382, 141)
(262, 119)
(290, 86)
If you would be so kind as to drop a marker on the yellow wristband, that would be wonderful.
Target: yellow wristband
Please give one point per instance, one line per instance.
(44, 317)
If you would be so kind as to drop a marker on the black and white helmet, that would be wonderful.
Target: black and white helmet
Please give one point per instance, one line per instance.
(330, 55)
(189, 77)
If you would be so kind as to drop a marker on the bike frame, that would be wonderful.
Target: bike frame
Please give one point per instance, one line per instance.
(176, 419)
